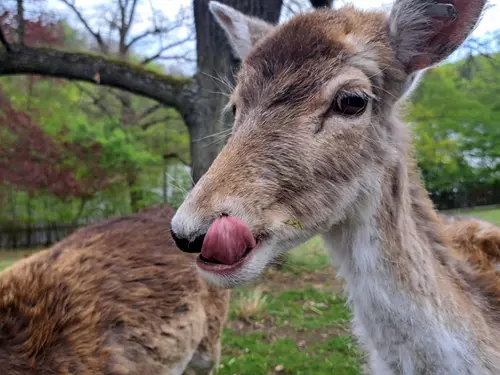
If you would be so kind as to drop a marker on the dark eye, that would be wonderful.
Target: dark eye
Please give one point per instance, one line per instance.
(350, 104)
(234, 110)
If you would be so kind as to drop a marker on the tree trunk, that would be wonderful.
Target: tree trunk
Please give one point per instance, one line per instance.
(216, 63)
(134, 192)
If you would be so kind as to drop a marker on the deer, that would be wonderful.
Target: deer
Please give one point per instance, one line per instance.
(478, 240)
(318, 148)
(113, 298)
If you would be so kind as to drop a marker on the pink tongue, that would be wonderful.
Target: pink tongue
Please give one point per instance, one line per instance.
(227, 240)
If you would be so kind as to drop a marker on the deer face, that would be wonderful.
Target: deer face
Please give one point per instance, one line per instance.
(312, 136)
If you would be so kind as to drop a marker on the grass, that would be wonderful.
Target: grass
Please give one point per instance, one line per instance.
(8, 257)
(294, 321)
(492, 215)
(248, 305)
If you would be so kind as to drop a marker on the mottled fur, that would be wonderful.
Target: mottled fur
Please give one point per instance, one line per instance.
(421, 305)
(114, 298)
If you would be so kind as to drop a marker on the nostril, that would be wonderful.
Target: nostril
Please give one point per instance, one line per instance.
(188, 246)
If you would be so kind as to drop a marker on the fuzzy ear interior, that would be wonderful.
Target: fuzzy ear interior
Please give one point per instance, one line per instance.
(241, 30)
(425, 32)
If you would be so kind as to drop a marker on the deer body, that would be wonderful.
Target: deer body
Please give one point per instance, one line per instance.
(317, 141)
(410, 311)
(113, 298)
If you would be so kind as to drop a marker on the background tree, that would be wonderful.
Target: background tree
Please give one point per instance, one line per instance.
(197, 99)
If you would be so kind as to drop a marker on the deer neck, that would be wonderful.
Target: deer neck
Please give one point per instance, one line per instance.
(408, 306)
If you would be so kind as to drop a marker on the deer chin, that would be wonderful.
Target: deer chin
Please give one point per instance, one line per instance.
(248, 268)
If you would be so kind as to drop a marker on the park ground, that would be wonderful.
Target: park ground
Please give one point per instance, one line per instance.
(292, 321)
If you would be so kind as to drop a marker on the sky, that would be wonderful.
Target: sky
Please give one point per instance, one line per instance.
(170, 8)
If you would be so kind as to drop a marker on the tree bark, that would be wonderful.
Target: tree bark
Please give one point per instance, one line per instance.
(95, 69)
(135, 192)
(216, 70)
(20, 21)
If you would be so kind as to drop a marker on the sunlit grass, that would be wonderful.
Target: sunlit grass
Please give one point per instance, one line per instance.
(9, 257)
(248, 304)
(491, 215)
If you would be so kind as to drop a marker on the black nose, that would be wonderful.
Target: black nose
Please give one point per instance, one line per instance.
(188, 246)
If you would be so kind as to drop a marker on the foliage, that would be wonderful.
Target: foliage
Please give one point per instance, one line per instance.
(43, 30)
(31, 160)
(454, 116)
(72, 151)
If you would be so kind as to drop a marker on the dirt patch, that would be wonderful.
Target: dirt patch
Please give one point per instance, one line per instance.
(277, 282)
(304, 338)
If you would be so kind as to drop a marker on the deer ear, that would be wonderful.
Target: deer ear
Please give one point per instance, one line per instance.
(425, 32)
(242, 31)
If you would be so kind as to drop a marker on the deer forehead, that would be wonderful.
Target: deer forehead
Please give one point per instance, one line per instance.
(298, 58)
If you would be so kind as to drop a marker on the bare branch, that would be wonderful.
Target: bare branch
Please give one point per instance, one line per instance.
(142, 36)
(146, 34)
(148, 124)
(166, 48)
(180, 22)
(20, 22)
(132, 14)
(97, 101)
(96, 35)
(124, 101)
(123, 25)
(172, 92)
(174, 155)
(184, 57)
(4, 42)
(150, 111)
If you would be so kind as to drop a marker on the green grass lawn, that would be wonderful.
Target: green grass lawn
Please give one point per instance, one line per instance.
(491, 215)
(8, 257)
(291, 321)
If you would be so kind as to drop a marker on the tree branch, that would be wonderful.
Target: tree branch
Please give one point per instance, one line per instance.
(174, 155)
(132, 14)
(170, 91)
(148, 124)
(20, 22)
(4, 42)
(96, 35)
(166, 48)
(144, 35)
(95, 100)
(150, 111)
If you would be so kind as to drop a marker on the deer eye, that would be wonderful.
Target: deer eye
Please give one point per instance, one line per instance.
(350, 104)
(234, 110)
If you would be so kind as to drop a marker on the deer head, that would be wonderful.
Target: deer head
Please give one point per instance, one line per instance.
(315, 134)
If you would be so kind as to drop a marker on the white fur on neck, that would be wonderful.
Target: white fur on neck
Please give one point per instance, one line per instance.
(402, 335)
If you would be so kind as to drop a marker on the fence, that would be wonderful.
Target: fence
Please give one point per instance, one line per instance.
(18, 236)
(33, 236)
(467, 198)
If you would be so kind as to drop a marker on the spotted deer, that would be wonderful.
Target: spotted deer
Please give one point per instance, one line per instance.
(114, 298)
(317, 148)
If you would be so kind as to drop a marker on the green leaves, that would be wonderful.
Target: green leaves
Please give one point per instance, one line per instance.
(455, 119)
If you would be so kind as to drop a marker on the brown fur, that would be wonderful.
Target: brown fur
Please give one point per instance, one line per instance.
(112, 298)
(478, 240)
